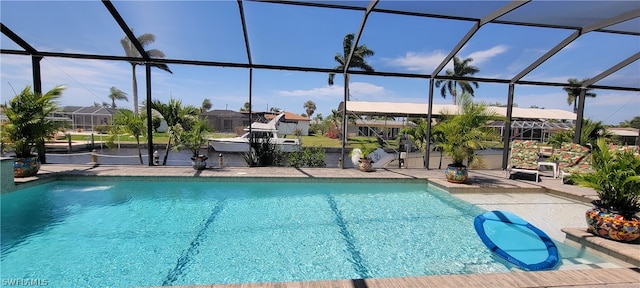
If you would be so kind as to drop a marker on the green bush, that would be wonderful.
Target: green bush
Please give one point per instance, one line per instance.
(101, 129)
(264, 153)
(308, 157)
(616, 179)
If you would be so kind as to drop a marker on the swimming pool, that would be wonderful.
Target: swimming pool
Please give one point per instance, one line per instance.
(139, 233)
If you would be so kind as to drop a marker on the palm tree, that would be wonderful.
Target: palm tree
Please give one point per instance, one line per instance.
(418, 136)
(591, 131)
(125, 121)
(309, 107)
(178, 118)
(131, 51)
(633, 123)
(357, 60)
(275, 109)
(206, 105)
(461, 68)
(27, 122)
(117, 94)
(246, 107)
(466, 131)
(573, 92)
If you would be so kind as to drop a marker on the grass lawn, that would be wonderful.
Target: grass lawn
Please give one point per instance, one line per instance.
(307, 141)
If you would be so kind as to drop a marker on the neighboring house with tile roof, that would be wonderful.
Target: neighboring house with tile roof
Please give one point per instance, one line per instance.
(290, 123)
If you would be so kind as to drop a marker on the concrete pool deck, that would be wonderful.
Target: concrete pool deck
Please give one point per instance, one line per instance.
(554, 207)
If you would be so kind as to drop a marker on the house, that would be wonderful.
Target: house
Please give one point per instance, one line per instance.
(87, 118)
(226, 121)
(290, 123)
(628, 136)
(387, 129)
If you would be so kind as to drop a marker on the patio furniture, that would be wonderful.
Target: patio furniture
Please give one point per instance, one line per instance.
(572, 158)
(524, 158)
(554, 166)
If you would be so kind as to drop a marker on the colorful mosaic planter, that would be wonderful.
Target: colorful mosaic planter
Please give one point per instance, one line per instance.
(612, 226)
(199, 162)
(26, 167)
(456, 174)
(365, 165)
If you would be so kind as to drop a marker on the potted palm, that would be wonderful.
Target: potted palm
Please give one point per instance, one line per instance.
(361, 159)
(465, 132)
(616, 179)
(28, 125)
(193, 139)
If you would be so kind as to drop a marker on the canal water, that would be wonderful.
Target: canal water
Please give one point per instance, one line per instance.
(129, 156)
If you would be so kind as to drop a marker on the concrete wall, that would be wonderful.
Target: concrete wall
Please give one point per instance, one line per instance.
(492, 160)
(6, 175)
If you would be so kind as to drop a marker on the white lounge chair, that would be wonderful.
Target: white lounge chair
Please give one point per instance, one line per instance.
(379, 157)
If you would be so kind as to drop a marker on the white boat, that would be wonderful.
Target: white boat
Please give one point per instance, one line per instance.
(259, 131)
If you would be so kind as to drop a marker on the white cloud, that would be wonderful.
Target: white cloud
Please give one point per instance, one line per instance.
(485, 55)
(356, 88)
(426, 62)
(418, 62)
(365, 88)
(316, 92)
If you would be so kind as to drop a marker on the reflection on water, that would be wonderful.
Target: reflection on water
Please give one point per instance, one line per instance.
(36, 209)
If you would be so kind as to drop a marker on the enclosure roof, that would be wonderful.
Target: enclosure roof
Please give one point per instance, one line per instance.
(240, 33)
(534, 124)
(625, 132)
(384, 123)
(88, 110)
(420, 110)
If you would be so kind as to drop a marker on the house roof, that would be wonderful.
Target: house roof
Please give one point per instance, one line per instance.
(223, 113)
(421, 109)
(287, 116)
(88, 110)
(385, 123)
(627, 132)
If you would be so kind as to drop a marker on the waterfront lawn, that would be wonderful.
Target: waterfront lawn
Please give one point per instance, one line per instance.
(307, 141)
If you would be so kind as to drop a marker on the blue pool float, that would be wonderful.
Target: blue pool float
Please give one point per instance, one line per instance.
(516, 240)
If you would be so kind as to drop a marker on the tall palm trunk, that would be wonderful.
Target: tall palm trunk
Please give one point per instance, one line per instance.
(135, 90)
(40, 148)
(454, 93)
(139, 151)
(166, 153)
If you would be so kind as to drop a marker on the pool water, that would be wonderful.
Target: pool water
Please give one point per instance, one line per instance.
(137, 233)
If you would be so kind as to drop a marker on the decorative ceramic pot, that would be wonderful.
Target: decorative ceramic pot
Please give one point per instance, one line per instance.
(26, 166)
(199, 162)
(456, 174)
(366, 165)
(611, 225)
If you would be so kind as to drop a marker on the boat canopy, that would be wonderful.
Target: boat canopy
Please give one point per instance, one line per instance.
(269, 126)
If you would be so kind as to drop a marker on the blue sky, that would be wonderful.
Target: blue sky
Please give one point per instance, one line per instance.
(303, 36)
